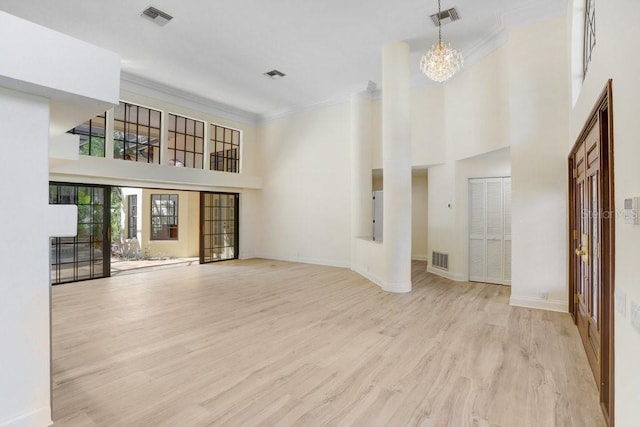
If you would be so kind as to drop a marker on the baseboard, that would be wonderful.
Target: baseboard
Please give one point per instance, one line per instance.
(40, 417)
(419, 258)
(540, 304)
(446, 274)
(369, 276)
(396, 288)
(315, 261)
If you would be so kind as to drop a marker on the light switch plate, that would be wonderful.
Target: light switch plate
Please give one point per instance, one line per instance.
(621, 302)
(635, 316)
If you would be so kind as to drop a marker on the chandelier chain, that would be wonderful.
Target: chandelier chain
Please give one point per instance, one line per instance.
(439, 24)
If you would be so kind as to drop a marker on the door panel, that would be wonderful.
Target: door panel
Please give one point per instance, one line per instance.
(588, 214)
(218, 227)
(490, 230)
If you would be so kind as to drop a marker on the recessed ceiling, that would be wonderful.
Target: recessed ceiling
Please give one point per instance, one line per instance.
(220, 50)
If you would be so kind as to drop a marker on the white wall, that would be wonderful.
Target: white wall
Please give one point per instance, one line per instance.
(448, 206)
(476, 106)
(539, 102)
(615, 56)
(305, 202)
(24, 287)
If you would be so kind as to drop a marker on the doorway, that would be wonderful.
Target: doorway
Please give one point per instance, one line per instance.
(490, 230)
(592, 227)
(219, 219)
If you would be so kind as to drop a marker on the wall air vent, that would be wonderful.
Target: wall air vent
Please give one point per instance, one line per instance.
(440, 260)
(445, 16)
(157, 16)
(274, 74)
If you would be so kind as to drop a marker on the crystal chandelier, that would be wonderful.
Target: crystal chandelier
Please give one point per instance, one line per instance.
(442, 61)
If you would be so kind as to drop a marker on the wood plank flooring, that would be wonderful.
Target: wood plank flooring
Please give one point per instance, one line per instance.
(261, 342)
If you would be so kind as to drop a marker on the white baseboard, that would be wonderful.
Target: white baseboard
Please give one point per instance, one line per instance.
(539, 303)
(396, 288)
(419, 258)
(315, 261)
(40, 417)
(446, 274)
(369, 276)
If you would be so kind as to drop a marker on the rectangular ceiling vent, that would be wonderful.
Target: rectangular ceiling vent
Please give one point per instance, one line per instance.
(156, 15)
(274, 74)
(446, 16)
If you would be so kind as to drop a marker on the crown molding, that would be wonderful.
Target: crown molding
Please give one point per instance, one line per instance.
(141, 86)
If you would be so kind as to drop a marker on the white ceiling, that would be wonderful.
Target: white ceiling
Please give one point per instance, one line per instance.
(327, 48)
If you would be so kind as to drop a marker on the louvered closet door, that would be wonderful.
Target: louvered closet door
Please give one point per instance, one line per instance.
(490, 230)
(477, 212)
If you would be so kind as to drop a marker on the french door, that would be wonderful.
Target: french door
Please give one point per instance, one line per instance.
(88, 254)
(588, 262)
(490, 230)
(591, 256)
(219, 226)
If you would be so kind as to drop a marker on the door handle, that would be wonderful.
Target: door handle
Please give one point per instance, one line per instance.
(580, 252)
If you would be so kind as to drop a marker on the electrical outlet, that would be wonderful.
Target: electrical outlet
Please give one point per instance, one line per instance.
(635, 316)
(621, 302)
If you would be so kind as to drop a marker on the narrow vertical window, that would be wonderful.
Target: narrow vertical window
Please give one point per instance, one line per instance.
(185, 142)
(225, 149)
(132, 216)
(589, 34)
(91, 135)
(164, 217)
(136, 134)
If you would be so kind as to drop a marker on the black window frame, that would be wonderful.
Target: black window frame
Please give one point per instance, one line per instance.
(131, 142)
(164, 225)
(89, 132)
(589, 41)
(190, 152)
(225, 149)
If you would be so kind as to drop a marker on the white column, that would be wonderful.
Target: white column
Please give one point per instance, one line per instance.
(361, 206)
(24, 255)
(396, 164)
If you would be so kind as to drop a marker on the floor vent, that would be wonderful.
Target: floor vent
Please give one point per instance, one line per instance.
(440, 260)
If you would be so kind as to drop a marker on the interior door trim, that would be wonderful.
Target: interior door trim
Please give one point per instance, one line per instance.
(601, 113)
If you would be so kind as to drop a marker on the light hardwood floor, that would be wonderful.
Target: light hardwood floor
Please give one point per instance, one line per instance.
(261, 342)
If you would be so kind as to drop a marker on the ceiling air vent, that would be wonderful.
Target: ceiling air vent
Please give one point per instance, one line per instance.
(445, 16)
(274, 74)
(156, 15)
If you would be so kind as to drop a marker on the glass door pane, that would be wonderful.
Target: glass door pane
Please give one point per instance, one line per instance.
(87, 255)
(218, 227)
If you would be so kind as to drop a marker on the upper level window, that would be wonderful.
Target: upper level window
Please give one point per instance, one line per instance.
(136, 133)
(589, 34)
(186, 142)
(225, 149)
(91, 136)
(164, 217)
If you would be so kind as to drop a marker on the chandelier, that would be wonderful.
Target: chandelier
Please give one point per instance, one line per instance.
(442, 61)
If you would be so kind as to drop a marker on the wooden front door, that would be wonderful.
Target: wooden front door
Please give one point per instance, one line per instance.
(587, 246)
(592, 248)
